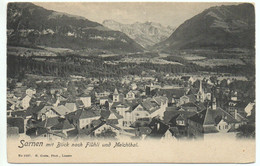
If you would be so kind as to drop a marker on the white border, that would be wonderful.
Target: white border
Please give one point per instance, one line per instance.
(3, 6)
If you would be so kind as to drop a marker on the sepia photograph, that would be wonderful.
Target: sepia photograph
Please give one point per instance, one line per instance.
(130, 82)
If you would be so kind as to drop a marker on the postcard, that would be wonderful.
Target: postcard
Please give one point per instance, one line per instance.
(130, 82)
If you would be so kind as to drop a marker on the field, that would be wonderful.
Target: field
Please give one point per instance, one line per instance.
(218, 62)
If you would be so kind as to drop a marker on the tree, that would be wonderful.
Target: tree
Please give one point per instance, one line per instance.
(107, 133)
(246, 131)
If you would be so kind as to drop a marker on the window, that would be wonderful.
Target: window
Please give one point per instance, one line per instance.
(137, 114)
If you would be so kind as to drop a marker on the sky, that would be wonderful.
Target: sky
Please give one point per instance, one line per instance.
(166, 13)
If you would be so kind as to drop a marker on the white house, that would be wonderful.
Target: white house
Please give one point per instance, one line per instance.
(85, 119)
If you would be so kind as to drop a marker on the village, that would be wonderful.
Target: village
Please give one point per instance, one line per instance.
(140, 108)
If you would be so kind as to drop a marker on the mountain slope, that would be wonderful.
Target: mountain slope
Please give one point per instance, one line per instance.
(146, 34)
(31, 25)
(216, 27)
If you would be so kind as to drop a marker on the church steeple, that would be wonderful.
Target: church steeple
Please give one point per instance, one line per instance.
(200, 95)
(115, 96)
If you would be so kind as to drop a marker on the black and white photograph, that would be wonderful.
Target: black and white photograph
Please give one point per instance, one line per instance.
(122, 75)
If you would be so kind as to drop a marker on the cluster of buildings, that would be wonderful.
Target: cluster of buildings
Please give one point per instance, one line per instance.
(167, 112)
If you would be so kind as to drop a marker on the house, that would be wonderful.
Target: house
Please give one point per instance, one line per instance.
(143, 132)
(178, 119)
(61, 110)
(85, 117)
(159, 130)
(103, 100)
(173, 94)
(187, 99)
(192, 107)
(237, 106)
(211, 121)
(115, 118)
(105, 127)
(41, 112)
(151, 90)
(121, 108)
(149, 108)
(130, 95)
(102, 94)
(48, 122)
(63, 126)
(44, 134)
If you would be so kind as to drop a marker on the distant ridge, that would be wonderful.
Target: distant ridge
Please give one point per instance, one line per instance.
(31, 25)
(146, 34)
(217, 27)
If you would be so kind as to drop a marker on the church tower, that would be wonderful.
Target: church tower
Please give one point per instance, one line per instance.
(201, 95)
(115, 96)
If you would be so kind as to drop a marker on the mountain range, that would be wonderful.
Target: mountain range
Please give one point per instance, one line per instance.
(31, 25)
(226, 26)
(231, 26)
(146, 34)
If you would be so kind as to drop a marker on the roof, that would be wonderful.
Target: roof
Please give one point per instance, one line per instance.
(190, 104)
(112, 121)
(70, 106)
(61, 110)
(157, 132)
(72, 133)
(63, 125)
(120, 104)
(199, 117)
(192, 98)
(115, 113)
(150, 105)
(79, 102)
(193, 91)
(44, 109)
(41, 130)
(214, 116)
(87, 114)
(180, 117)
(115, 92)
(105, 114)
(210, 129)
(49, 122)
(160, 99)
(172, 93)
(175, 115)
